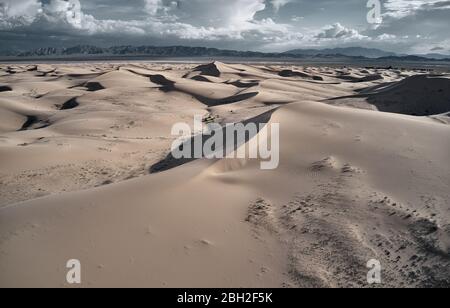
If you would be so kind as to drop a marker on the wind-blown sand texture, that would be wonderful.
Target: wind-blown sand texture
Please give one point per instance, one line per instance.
(84, 174)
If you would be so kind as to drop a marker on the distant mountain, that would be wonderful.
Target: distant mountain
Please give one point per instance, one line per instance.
(52, 51)
(350, 52)
(171, 51)
(183, 51)
(436, 56)
(411, 58)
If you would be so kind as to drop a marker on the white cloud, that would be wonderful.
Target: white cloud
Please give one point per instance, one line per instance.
(278, 4)
(297, 18)
(227, 20)
(160, 7)
(26, 12)
(403, 8)
(338, 31)
(386, 37)
(153, 6)
(16, 8)
(216, 20)
(218, 13)
(69, 12)
(18, 12)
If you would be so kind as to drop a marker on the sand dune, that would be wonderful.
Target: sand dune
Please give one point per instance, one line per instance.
(419, 95)
(86, 172)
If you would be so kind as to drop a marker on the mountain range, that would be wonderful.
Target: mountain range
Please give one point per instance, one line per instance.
(349, 51)
(184, 51)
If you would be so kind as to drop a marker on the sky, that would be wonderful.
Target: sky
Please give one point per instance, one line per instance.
(403, 26)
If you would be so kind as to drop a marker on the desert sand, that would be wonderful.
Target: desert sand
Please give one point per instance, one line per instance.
(84, 174)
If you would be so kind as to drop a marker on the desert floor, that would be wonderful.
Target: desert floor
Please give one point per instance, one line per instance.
(86, 173)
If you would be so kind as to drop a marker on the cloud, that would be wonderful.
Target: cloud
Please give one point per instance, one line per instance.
(338, 31)
(153, 6)
(218, 13)
(278, 4)
(386, 37)
(160, 7)
(18, 12)
(216, 20)
(233, 24)
(27, 12)
(429, 19)
(68, 12)
(403, 8)
(213, 20)
(20, 8)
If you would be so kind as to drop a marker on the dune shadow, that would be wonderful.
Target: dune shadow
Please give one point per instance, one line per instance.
(170, 162)
(163, 81)
(70, 104)
(210, 102)
(169, 85)
(241, 84)
(5, 89)
(33, 122)
(84, 76)
(201, 78)
(355, 79)
(208, 70)
(376, 88)
(93, 86)
(291, 73)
